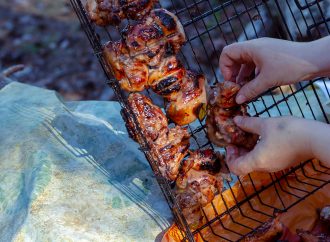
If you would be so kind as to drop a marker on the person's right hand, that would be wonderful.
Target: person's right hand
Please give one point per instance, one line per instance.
(275, 63)
(284, 141)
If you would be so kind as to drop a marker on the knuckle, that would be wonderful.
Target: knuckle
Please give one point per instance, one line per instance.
(225, 50)
(258, 161)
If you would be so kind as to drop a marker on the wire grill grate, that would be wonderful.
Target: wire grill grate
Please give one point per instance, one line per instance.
(209, 26)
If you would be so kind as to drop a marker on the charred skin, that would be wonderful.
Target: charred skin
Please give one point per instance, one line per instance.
(171, 147)
(132, 75)
(221, 129)
(146, 54)
(166, 80)
(112, 12)
(102, 13)
(185, 106)
(159, 35)
(168, 145)
(137, 9)
(270, 231)
(198, 182)
(151, 119)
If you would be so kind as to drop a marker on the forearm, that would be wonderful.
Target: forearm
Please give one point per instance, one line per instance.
(319, 135)
(318, 54)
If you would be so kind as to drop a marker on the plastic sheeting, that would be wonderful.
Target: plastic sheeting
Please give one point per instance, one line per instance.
(69, 172)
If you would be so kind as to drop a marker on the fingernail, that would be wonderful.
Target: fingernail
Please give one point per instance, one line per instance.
(238, 119)
(240, 99)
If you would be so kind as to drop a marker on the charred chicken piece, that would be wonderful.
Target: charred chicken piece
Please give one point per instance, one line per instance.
(166, 80)
(197, 184)
(221, 129)
(171, 147)
(225, 94)
(159, 35)
(111, 12)
(268, 232)
(151, 119)
(184, 107)
(132, 74)
(307, 236)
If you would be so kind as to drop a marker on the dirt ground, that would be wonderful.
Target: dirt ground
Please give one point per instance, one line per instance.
(46, 37)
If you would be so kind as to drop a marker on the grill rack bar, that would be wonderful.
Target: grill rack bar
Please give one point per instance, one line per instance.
(230, 19)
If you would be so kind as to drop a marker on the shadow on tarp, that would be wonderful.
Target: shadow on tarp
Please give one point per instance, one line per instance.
(119, 174)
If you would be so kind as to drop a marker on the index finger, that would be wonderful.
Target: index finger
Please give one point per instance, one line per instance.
(231, 58)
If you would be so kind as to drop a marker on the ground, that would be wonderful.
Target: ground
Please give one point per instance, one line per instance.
(46, 37)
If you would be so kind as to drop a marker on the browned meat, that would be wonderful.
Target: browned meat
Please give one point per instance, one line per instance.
(158, 35)
(221, 129)
(151, 119)
(146, 54)
(198, 182)
(166, 80)
(111, 12)
(307, 236)
(190, 208)
(268, 232)
(168, 145)
(184, 107)
(132, 74)
(171, 147)
(225, 94)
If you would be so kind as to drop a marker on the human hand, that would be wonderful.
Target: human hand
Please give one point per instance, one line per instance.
(275, 63)
(284, 141)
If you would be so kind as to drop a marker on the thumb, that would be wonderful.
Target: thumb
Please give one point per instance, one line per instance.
(251, 89)
(249, 124)
(244, 164)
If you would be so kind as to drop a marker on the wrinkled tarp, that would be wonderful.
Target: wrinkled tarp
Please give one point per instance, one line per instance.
(69, 172)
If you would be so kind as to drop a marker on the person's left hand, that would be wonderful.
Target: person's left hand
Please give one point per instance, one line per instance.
(284, 141)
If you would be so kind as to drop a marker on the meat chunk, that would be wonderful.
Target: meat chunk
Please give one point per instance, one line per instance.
(167, 145)
(184, 107)
(160, 32)
(146, 54)
(221, 129)
(150, 118)
(268, 232)
(132, 74)
(198, 182)
(111, 12)
(171, 147)
(167, 79)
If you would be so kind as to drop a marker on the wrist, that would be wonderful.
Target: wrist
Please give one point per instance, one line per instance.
(310, 67)
(315, 54)
(311, 134)
(304, 129)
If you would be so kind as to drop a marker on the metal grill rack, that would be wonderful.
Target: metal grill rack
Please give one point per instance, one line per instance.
(209, 26)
